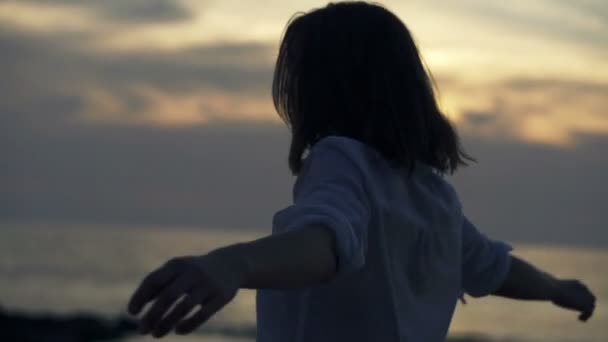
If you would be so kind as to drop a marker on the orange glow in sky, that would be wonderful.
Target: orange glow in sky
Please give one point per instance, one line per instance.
(536, 71)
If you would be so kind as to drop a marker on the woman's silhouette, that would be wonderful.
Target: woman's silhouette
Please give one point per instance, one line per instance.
(376, 246)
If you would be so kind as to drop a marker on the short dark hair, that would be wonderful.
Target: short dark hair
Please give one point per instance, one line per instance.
(353, 69)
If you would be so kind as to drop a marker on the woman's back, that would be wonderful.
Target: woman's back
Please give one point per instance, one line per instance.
(405, 252)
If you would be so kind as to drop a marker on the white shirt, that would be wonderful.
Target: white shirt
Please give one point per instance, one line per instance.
(405, 252)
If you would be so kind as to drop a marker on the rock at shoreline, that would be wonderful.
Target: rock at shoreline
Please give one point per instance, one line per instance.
(21, 327)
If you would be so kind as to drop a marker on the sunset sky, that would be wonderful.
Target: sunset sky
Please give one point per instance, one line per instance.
(535, 70)
(532, 74)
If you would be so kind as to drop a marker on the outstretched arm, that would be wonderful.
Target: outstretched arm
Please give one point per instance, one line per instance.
(489, 268)
(322, 235)
(524, 281)
(294, 259)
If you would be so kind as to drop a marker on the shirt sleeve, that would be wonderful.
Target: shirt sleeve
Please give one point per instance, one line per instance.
(330, 192)
(485, 262)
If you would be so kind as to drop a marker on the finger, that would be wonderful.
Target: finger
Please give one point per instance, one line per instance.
(164, 302)
(181, 310)
(585, 315)
(149, 288)
(207, 310)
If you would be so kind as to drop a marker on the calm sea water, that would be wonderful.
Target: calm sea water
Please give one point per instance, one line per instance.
(69, 268)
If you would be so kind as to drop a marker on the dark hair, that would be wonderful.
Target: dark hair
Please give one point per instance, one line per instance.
(353, 69)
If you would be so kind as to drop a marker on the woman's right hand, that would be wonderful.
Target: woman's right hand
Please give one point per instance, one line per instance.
(574, 295)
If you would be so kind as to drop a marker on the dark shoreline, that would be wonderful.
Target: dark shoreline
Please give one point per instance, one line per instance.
(88, 327)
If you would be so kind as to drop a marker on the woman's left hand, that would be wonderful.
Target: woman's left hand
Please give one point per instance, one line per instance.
(210, 281)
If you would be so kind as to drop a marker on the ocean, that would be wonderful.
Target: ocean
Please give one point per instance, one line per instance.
(69, 268)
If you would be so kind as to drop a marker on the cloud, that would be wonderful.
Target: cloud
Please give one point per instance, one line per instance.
(597, 9)
(543, 110)
(232, 81)
(577, 23)
(132, 11)
(228, 66)
(575, 88)
(477, 119)
(191, 85)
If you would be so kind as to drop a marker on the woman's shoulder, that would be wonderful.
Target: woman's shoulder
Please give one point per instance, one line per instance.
(333, 160)
(344, 147)
(338, 157)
